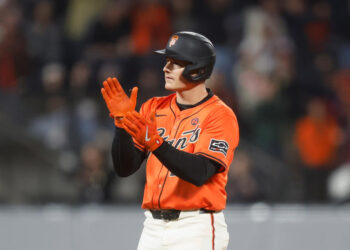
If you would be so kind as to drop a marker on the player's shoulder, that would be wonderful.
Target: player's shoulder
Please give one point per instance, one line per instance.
(219, 108)
(158, 101)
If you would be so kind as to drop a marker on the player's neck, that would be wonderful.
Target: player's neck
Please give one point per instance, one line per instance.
(193, 95)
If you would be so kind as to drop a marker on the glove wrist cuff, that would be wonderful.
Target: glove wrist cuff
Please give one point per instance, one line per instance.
(157, 141)
(118, 122)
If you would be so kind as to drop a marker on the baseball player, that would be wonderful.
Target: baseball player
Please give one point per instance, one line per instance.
(188, 139)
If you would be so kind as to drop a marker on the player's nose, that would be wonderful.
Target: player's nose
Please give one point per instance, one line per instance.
(167, 67)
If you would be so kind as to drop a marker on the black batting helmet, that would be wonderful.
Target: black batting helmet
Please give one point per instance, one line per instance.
(195, 49)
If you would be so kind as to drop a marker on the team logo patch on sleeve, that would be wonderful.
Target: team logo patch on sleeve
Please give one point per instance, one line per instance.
(218, 146)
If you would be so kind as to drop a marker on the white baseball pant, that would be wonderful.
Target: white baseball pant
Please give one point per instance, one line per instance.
(193, 230)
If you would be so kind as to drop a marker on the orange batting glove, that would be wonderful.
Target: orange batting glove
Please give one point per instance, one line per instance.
(144, 131)
(118, 103)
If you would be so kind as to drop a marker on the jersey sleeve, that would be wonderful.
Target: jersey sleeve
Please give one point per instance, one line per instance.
(218, 138)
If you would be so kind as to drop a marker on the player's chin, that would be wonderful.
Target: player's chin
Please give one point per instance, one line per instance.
(169, 86)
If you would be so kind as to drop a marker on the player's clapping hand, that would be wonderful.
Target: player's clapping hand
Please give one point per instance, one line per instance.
(144, 131)
(118, 103)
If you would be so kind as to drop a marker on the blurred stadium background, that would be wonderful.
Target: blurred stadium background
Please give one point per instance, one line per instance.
(282, 65)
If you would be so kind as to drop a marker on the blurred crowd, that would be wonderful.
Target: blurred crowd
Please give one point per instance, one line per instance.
(283, 66)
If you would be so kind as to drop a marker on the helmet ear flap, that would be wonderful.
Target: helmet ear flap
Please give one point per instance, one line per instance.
(200, 71)
(194, 75)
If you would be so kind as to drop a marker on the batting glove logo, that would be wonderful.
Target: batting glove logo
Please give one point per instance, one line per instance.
(146, 136)
(218, 146)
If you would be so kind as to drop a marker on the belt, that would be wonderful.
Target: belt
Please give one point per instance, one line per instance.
(173, 214)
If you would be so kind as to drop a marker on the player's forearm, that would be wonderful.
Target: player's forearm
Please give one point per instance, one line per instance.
(126, 158)
(195, 169)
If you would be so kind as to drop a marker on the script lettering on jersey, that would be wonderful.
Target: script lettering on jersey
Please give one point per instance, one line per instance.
(190, 136)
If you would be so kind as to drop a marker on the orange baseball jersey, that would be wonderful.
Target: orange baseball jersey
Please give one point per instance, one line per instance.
(209, 129)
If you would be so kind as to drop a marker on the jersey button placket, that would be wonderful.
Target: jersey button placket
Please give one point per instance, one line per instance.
(174, 128)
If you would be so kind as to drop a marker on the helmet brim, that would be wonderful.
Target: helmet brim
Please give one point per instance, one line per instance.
(173, 54)
(161, 51)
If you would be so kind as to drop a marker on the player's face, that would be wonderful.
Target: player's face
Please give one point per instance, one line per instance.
(173, 75)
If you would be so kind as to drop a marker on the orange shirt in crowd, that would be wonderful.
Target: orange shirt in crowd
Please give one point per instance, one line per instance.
(150, 28)
(316, 141)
